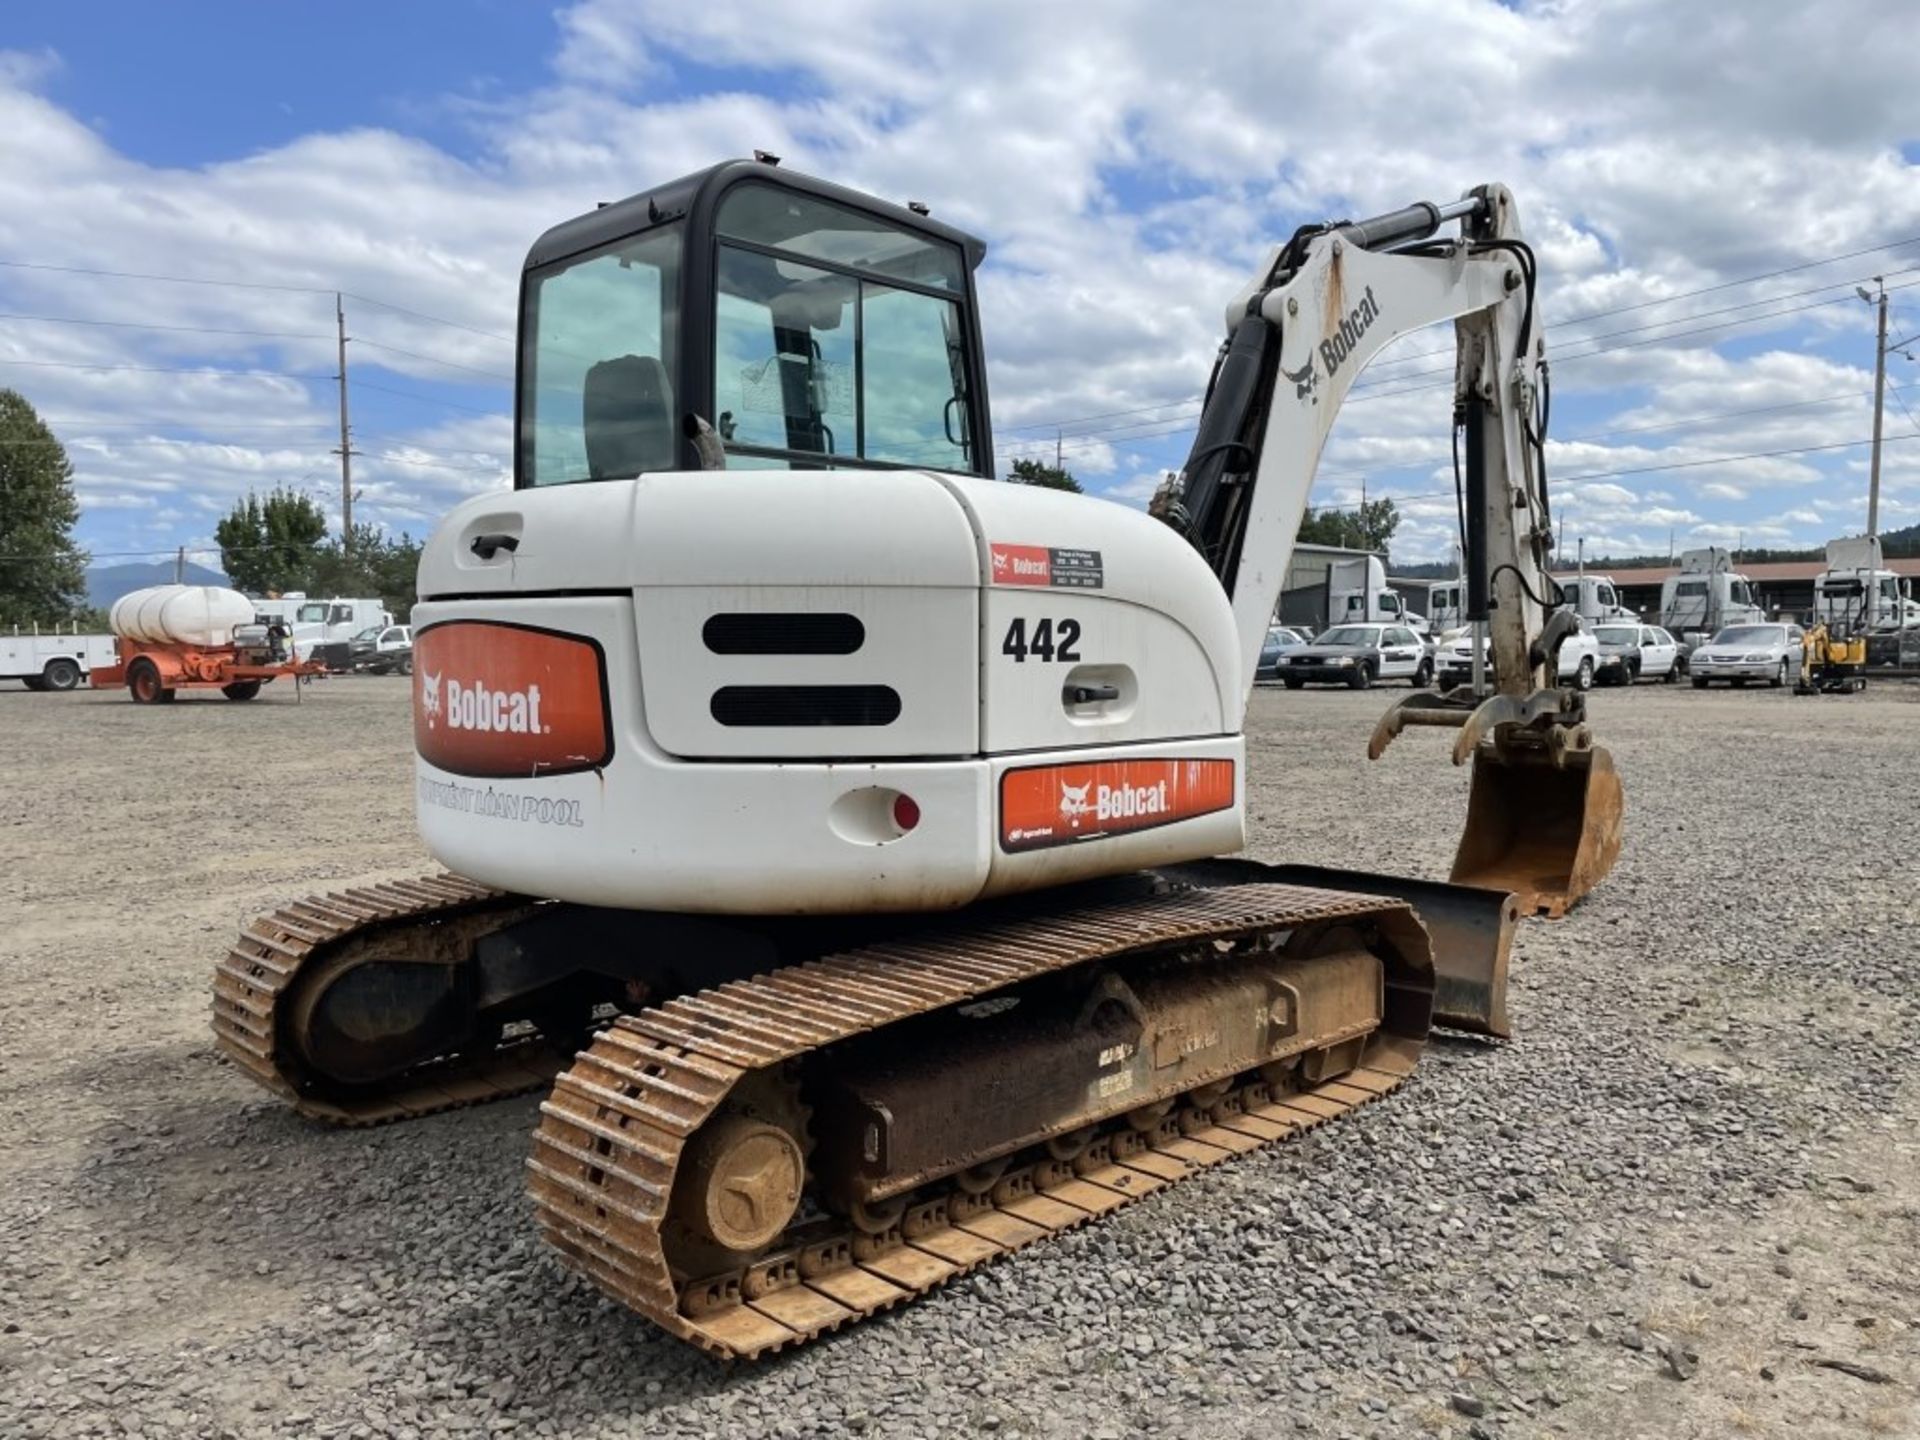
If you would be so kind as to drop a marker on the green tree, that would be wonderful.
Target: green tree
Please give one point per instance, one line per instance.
(271, 545)
(377, 564)
(43, 574)
(1370, 527)
(1049, 477)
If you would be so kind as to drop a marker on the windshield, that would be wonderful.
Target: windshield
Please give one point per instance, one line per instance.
(370, 634)
(312, 614)
(1751, 635)
(1350, 635)
(858, 350)
(1618, 635)
(600, 343)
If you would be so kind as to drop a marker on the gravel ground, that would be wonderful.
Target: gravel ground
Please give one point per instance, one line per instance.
(1687, 1187)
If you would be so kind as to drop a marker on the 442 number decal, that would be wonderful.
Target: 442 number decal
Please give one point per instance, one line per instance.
(1045, 640)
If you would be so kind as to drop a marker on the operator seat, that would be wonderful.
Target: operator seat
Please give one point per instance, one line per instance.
(626, 417)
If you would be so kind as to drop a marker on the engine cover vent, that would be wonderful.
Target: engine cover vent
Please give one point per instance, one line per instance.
(796, 705)
(783, 633)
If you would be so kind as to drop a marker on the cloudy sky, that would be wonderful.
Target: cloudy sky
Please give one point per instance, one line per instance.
(1704, 193)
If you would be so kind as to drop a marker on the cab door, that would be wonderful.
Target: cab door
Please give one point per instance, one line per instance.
(1657, 651)
(1400, 652)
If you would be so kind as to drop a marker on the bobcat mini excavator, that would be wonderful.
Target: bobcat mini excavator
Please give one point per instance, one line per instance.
(841, 823)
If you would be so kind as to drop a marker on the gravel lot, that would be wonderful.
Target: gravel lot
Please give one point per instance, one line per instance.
(1697, 1160)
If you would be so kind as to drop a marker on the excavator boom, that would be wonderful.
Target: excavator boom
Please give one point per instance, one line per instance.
(1544, 819)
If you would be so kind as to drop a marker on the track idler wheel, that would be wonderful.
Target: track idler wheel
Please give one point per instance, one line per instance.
(740, 1181)
(744, 1184)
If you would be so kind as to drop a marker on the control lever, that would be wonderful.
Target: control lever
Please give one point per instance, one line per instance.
(1090, 694)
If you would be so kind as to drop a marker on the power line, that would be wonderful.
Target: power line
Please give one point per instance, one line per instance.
(423, 315)
(253, 285)
(1676, 320)
(1572, 320)
(1390, 386)
(172, 279)
(1683, 423)
(150, 325)
(168, 369)
(425, 399)
(430, 359)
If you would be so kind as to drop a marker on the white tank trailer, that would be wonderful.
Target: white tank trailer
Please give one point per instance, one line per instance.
(196, 615)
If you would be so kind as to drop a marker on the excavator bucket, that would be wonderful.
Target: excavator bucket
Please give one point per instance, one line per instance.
(1546, 832)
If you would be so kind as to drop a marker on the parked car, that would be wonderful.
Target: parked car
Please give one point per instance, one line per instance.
(382, 650)
(1629, 652)
(1358, 655)
(1280, 641)
(1739, 653)
(1579, 658)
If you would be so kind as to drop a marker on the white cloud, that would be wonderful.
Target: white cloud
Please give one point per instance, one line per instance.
(1129, 171)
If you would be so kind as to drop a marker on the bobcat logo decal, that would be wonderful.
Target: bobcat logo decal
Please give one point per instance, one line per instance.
(1304, 380)
(430, 696)
(1073, 803)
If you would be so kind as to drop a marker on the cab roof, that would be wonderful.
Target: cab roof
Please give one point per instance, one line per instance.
(700, 192)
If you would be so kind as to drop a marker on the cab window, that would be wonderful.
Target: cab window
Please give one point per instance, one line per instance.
(599, 352)
(838, 335)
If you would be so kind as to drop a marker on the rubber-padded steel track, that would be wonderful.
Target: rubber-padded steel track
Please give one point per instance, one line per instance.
(257, 978)
(612, 1135)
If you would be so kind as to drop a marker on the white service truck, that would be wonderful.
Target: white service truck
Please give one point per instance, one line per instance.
(1706, 595)
(1593, 598)
(1355, 591)
(50, 660)
(1857, 592)
(1358, 593)
(1446, 605)
(322, 628)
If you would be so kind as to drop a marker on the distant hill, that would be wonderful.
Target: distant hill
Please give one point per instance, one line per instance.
(107, 583)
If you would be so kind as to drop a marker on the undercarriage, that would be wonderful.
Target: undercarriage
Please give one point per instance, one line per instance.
(759, 1131)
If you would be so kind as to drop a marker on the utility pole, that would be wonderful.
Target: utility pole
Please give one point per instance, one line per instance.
(1879, 301)
(345, 452)
(180, 567)
(1056, 449)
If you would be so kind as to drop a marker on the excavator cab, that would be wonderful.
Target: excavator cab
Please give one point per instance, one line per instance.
(747, 317)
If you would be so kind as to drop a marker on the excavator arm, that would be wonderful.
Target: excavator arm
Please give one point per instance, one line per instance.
(1544, 820)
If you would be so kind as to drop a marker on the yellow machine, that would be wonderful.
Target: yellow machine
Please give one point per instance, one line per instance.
(1832, 662)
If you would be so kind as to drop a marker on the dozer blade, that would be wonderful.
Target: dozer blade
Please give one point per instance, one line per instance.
(1471, 928)
(1545, 828)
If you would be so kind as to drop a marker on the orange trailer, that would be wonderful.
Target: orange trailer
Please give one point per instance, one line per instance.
(155, 672)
